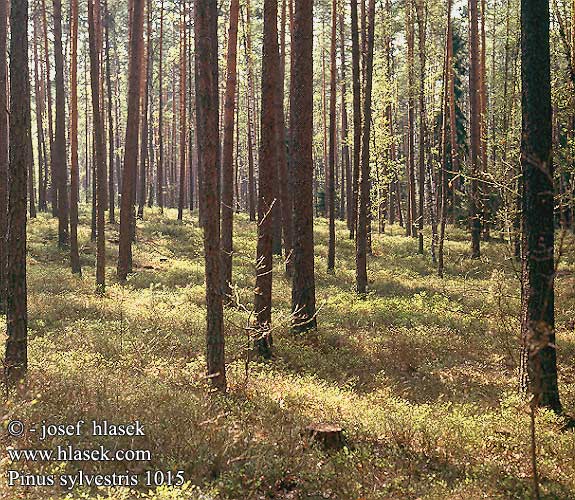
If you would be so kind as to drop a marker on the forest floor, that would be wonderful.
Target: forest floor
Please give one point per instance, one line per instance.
(421, 374)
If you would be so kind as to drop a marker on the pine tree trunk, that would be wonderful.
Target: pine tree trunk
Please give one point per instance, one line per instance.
(16, 360)
(344, 130)
(475, 131)
(160, 167)
(267, 172)
(59, 157)
(421, 14)
(447, 114)
(361, 239)
(539, 364)
(228, 152)
(146, 82)
(53, 172)
(355, 62)
(285, 189)
(74, 168)
(251, 112)
(39, 98)
(183, 110)
(411, 229)
(206, 39)
(110, 107)
(94, 31)
(301, 137)
(131, 144)
(486, 217)
(4, 158)
(332, 141)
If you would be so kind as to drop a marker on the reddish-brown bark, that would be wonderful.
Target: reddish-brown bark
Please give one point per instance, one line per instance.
(74, 168)
(301, 136)
(131, 144)
(228, 151)
(207, 116)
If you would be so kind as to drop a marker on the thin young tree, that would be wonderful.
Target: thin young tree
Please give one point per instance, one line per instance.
(207, 116)
(267, 172)
(228, 151)
(539, 353)
(475, 130)
(111, 128)
(344, 128)
(59, 157)
(411, 227)
(94, 33)
(145, 94)
(31, 188)
(421, 14)
(301, 137)
(53, 173)
(131, 143)
(251, 110)
(16, 360)
(361, 237)
(74, 168)
(182, 105)
(285, 191)
(4, 158)
(39, 101)
(355, 67)
(446, 122)
(160, 167)
(332, 139)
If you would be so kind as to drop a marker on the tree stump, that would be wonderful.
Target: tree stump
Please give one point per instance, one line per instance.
(329, 436)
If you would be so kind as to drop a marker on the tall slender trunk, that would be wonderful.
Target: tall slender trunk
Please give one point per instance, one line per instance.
(59, 157)
(31, 189)
(183, 109)
(4, 158)
(355, 62)
(16, 360)
(207, 116)
(145, 85)
(344, 129)
(39, 97)
(475, 130)
(421, 14)
(332, 140)
(539, 353)
(53, 173)
(94, 32)
(191, 145)
(322, 208)
(228, 152)
(39, 112)
(361, 239)
(285, 193)
(160, 167)
(267, 172)
(393, 201)
(131, 144)
(301, 137)
(448, 114)
(411, 228)
(251, 111)
(74, 168)
(111, 149)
